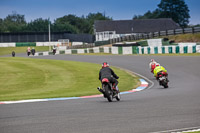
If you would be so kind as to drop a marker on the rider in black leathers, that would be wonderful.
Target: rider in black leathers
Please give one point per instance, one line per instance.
(107, 72)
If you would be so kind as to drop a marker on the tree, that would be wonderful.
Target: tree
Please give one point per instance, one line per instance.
(14, 22)
(64, 27)
(95, 16)
(79, 23)
(149, 15)
(175, 9)
(2, 28)
(66, 24)
(38, 25)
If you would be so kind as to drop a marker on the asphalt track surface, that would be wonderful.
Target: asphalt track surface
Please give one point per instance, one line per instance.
(152, 110)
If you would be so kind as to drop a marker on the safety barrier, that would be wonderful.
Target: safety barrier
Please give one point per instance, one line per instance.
(131, 50)
(169, 49)
(28, 44)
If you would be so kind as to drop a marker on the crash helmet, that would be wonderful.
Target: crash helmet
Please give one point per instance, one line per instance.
(152, 60)
(105, 64)
(157, 64)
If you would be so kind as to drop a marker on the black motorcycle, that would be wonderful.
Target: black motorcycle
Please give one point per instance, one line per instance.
(54, 51)
(28, 53)
(33, 52)
(163, 80)
(108, 91)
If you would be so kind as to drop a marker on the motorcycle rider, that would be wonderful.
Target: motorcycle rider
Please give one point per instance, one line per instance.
(13, 53)
(107, 72)
(28, 51)
(33, 51)
(157, 71)
(54, 50)
(152, 65)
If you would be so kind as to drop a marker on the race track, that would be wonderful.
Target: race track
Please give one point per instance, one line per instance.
(152, 110)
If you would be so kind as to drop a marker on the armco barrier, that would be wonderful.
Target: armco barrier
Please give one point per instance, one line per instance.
(7, 44)
(28, 44)
(131, 50)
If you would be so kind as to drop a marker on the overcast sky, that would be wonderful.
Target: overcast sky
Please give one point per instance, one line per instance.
(117, 9)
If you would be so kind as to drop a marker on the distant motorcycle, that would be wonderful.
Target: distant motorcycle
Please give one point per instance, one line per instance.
(108, 91)
(54, 51)
(33, 52)
(162, 79)
(28, 53)
(13, 53)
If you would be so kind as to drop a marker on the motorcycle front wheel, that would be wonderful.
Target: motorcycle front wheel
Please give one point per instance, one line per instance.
(165, 84)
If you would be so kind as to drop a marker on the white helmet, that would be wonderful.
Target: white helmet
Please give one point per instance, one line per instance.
(157, 64)
(152, 60)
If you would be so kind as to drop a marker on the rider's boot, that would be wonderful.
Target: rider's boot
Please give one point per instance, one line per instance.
(116, 89)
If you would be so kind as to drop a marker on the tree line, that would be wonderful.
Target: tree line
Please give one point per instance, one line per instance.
(175, 9)
(69, 23)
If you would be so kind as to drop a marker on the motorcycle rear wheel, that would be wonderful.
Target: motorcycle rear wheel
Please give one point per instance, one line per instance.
(165, 84)
(108, 93)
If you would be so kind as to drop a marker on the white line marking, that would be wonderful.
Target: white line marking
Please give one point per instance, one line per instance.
(177, 130)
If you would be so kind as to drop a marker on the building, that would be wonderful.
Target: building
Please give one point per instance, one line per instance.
(108, 29)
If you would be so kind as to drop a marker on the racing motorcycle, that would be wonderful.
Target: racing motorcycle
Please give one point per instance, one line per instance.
(162, 79)
(108, 91)
(54, 51)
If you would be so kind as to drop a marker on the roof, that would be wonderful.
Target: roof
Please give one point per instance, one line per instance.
(135, 26)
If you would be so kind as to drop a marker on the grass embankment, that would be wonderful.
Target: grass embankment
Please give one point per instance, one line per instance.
(25, 78)
(175, 39)
(8, 50)
(185, 38)
(192, 132)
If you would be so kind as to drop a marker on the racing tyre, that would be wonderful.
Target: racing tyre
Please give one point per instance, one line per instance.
(108, 93)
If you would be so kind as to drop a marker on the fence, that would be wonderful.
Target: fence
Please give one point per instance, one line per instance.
(44, 37)
(155, 34)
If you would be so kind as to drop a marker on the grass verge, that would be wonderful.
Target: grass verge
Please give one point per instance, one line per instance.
(193, 132)
(8, 50)
(185, 37)
(26, 78)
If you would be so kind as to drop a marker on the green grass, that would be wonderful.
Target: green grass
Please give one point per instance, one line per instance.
(8, 50)
(193, 132)
(185, 37)
(26, 78)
